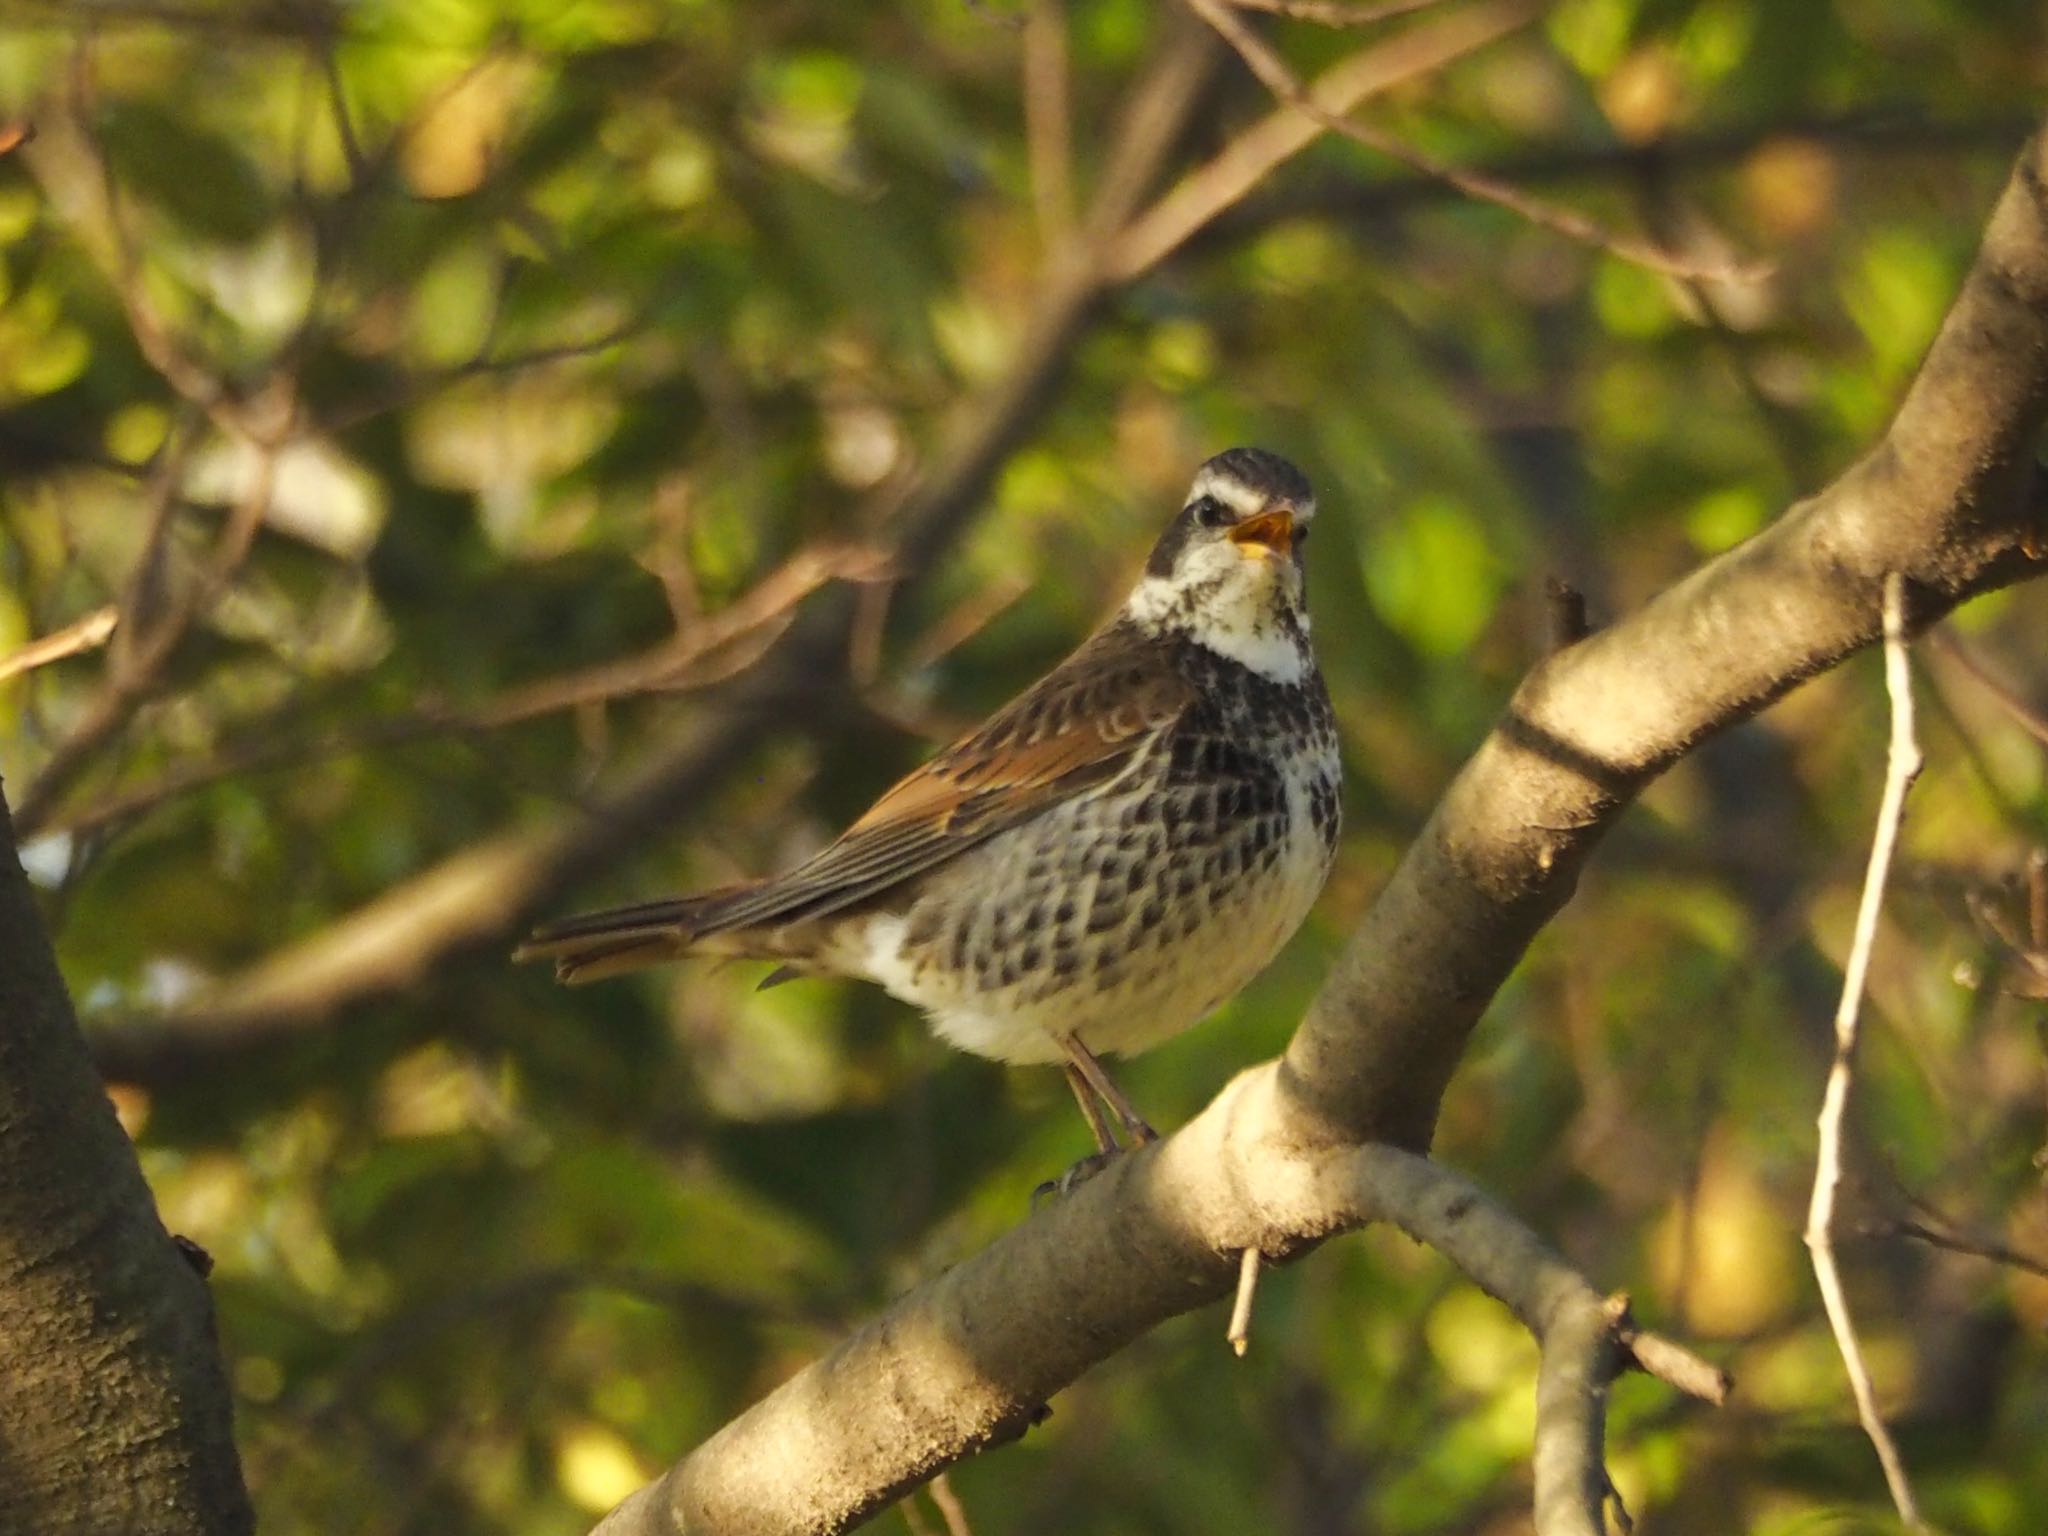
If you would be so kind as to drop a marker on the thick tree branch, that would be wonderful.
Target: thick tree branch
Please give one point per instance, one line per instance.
(1942, 500)
(966, 1360)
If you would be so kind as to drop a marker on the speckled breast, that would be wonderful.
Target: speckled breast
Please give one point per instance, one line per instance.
(1126, 914)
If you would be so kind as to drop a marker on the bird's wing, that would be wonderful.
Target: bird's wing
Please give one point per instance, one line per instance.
(1079, 726)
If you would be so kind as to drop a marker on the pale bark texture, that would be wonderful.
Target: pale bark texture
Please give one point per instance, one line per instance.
(114, 1406)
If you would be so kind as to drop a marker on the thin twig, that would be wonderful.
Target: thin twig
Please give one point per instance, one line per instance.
(1049, 122)
(2025, 715)
(86, 634)
(1240, 167)
(280, 18)
(912, 1517)
(1260, 58)
(1902, 766)
(1239, 1334)
(1959, 1242)
(344, 126)
(1673, 1364)
(2037, 901)
(141, 658)
(413, 387)
(698, 656)
(951, 1510)
(1337, 13)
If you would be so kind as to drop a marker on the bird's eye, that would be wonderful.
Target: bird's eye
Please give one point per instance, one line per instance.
(1210, 512)
(1301, 533)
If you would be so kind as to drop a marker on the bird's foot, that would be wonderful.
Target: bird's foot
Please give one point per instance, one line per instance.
(1075, 1176)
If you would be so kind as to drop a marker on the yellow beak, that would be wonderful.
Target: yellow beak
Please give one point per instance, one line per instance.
(1267, 533)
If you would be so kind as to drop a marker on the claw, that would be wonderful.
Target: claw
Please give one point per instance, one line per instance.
(1073, 1178)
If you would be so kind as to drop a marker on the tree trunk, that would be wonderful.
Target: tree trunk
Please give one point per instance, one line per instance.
(114, 1407)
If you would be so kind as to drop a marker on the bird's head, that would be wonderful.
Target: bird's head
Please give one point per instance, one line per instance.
(1227, 573)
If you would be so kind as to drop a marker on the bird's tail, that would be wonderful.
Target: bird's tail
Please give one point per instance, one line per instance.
(600, 944)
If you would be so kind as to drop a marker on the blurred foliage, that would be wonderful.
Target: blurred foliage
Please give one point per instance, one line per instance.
(596, 313)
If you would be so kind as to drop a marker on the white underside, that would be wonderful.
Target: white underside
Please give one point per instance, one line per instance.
(1161, 990)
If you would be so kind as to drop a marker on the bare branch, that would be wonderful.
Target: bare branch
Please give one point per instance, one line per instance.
(75, 638)
(2031, 720)
(1673, 1364)
(1973, 1246)
(1337, 13)
(148, 639)
(1240, 165)
(344, 124)
(1570, 1319)
(2037, 901)
(1902, 766)
(412, 388)
(1049, 122)
(951, 1510)
(1238, 1335)
(756, 620)
(1282, 82)
(702, 654)
(265, 19)
(1865, 133)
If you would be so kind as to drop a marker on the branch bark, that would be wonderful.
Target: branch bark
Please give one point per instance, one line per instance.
(114, 1407)
(1946, 500)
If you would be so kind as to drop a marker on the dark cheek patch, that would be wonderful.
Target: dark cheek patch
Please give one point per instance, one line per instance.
(1167, 551)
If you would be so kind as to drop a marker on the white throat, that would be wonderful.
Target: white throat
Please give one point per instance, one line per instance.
(1226, 604)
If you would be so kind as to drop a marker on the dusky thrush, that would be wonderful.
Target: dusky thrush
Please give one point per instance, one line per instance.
(1110, 857)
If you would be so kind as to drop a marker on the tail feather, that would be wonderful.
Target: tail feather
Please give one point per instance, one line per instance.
(594, 945)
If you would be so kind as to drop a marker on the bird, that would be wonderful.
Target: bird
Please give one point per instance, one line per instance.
(1108, 858)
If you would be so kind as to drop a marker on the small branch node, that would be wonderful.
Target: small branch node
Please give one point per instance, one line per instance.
(1568, 623)
(2037, 901)
(1239, 1333)
(1675, 1365)
(1623, 1520)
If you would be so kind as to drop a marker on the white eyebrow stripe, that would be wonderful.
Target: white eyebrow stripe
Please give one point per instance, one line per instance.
(1239, 497)
(1229, 490)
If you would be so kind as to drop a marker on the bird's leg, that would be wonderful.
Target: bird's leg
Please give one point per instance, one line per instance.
(1105, 1142)
(1093, 1089)
(1081, 1061)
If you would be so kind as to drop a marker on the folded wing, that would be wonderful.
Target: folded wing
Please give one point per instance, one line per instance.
(1079, 727)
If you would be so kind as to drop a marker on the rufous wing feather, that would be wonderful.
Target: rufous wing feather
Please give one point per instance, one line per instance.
(1080, 726)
